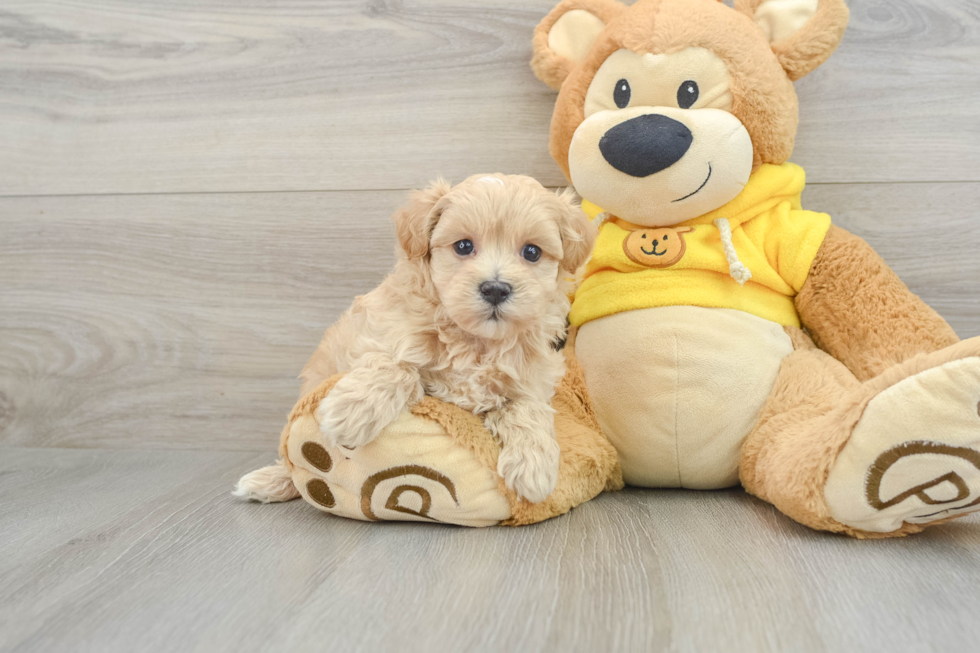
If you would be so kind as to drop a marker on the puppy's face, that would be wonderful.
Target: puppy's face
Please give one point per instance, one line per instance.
(497, 248)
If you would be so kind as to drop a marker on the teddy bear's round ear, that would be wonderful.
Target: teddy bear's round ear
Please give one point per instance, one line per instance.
(803, 33)
(565, 35)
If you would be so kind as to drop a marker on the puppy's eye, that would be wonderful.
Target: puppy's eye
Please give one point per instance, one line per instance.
(463, 247)
(531, 252)
(666, 236)
(622, 93)
(688, 94)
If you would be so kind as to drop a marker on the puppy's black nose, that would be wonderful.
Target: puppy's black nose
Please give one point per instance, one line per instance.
(495, 292)
(646, 144)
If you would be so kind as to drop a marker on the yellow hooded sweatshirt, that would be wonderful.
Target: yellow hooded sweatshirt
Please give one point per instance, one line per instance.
(770, 240)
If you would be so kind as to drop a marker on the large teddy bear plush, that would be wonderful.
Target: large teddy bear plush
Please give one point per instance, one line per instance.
(728, 335)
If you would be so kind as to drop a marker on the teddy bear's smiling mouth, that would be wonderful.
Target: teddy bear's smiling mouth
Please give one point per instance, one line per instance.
(703, 184)
(652, 252)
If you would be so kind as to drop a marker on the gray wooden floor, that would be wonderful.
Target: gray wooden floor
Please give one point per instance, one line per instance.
(191, 191)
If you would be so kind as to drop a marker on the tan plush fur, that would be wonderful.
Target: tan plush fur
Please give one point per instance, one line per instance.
(813, 408)
(765, 100)
(803, 52)
(428, 330)
(550, 67)
(859, 311)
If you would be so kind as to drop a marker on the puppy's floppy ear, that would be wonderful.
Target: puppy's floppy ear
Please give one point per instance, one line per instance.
(802, 33)
(566, 34)
(578, 234)
(415, 221)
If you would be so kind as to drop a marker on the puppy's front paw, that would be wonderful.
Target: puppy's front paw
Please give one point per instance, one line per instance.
(530, 468)
(346, 420)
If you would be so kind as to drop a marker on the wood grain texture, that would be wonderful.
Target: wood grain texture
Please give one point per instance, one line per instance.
(145, 551)
(174, 321)
(181, 321)
(928, 233)
(151, 327)
(176, 96)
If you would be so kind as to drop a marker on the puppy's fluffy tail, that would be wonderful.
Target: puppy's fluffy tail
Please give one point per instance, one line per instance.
(269, 484)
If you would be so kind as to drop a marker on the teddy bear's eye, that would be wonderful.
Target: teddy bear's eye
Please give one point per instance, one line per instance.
(463, 247)
(622, 93)
(687, 94)
(666, 236)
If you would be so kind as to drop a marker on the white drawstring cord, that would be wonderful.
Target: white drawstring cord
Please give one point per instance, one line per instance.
(601, 218)
(736, 268)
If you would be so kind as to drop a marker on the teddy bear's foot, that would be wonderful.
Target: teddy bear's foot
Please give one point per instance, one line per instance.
(413, 471)
(914, 455)
(436, 463)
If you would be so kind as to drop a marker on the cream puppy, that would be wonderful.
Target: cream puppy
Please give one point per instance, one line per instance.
(470, 315)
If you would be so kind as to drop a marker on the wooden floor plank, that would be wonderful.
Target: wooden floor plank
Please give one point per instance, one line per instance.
(164, 273)
(174, 321)
(126, 550)
(182, 321)
(127, 96)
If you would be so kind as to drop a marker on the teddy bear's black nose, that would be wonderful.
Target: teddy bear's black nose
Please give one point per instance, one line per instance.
(646, 144)
(495, 292)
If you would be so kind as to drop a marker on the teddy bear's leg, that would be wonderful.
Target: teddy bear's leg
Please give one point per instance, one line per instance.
(879, 458)
(859, 311)
(787, 456)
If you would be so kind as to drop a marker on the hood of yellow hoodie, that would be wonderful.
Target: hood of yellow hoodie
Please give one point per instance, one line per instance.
(768, 186)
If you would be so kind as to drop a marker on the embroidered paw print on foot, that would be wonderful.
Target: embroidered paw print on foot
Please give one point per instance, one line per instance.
(914, 456)
(412, 471)
(405, 492)
(317, 488)
(951, 487)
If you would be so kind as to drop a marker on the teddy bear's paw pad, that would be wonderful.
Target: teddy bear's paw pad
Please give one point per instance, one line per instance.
(317, 456)
(914, 456)
(413, 471)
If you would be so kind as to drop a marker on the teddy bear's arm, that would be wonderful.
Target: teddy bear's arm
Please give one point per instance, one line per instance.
(858, 310)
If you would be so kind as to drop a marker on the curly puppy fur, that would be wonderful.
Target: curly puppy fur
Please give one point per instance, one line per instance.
(270, 484)
(429, 330)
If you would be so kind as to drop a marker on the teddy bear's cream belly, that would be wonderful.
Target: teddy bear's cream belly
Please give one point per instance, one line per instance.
(678, 388)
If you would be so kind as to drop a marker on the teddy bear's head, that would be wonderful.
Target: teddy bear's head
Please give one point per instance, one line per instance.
(667, 106)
